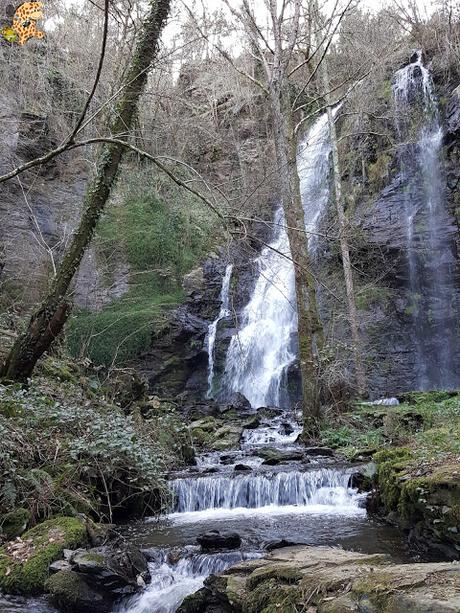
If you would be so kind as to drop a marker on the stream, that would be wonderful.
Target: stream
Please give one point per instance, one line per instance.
(305, 501)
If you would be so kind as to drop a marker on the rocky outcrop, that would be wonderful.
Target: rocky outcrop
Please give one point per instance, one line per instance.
(92, 580)
(422, 499)
(214, 539)
(24, 563)
(329, 580)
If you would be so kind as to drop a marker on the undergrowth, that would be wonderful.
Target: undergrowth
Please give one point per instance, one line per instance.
(428, 423)
(67, 449)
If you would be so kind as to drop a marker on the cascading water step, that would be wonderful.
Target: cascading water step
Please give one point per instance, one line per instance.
(173, 579)
(327, 488)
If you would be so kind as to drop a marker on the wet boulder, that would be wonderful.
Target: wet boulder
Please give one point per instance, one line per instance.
(325, 452)
(278, 544)
(273, 456)
(117, 572)
(227, 437)
(219, 540)
(286, 428)
(70, 592)
(242, 468)
(237, 402)
(252, 423)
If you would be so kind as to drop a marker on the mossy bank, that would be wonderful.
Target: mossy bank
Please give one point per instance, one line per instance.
(416, 448)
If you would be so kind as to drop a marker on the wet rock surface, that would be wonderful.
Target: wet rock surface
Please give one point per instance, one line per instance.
(214, 539)
(329, 580)
(92, 580)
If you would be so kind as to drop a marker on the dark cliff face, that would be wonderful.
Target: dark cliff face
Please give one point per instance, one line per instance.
(388, 324)
(179, 360)
(38, 211)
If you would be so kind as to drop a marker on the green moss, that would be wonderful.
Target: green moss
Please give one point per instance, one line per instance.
(70, 592)
(378, 172)
(61, 369)
(391, 464)
(272, 596)
(161, 232)
(42, 546)
(14, 523)
(10, 408)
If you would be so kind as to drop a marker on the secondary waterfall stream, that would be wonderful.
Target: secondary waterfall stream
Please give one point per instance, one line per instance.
(430, 261)
(265, 346)
(212, 330)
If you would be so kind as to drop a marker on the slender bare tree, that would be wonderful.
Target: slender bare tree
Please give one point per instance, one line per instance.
(47, 321)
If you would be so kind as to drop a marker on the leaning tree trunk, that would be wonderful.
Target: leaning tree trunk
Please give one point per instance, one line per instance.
(344, 244)
(47, 322)
(310, 333)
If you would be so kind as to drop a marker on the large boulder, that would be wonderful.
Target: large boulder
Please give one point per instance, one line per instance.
(115, 571)
(92, 580)
(334, 580)
(24, 563)
(273, 456)
(71, 593)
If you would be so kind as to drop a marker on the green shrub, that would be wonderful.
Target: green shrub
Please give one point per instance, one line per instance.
(69, 450)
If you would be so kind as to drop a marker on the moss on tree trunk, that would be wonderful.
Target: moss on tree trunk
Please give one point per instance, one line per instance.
(47, 322)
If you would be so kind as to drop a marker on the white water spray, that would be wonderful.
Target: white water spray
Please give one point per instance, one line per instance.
(212, 330)
(430, 260)
(261, 352)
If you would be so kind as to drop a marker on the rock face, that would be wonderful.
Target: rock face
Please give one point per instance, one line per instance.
(38, 213)
(329, 580)
(423, 500)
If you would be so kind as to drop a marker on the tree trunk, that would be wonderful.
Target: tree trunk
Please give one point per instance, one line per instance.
(310, 331)
(344, 245)
(47, 322)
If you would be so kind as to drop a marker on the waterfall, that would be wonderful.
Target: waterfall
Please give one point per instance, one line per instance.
(172, 581)
(212, 329)
(260, 354)
(316, 487)
(430, 260)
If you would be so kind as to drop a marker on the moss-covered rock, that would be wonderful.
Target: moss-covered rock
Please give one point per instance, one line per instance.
(70, 592)
(425, 499)
(14, 523)
(227, 437)
(24, 564)
(329, 580)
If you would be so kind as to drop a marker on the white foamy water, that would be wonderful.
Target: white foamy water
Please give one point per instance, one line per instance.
(431, 263)
(273, 434)
(265, 346)
(212, 330)
(317, 487)
(171, 583)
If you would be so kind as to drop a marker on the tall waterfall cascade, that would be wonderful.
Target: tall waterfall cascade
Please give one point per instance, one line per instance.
(430, 259)
(212, 330)
(264, 347)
